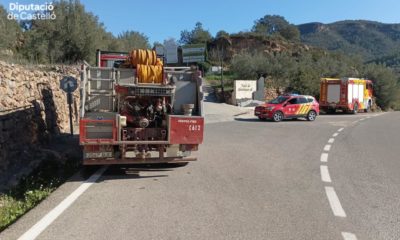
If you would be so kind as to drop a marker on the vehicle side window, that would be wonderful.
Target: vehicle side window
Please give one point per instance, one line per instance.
(293, 101)
(302, 100)
(310, 100)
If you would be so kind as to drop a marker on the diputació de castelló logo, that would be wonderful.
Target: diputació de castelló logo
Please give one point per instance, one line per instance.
(31, 11)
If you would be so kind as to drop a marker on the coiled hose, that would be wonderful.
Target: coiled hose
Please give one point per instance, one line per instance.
(149, 68)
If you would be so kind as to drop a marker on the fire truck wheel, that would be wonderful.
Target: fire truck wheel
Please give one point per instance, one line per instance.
(355, 108)
(278, 116)
(312, 115)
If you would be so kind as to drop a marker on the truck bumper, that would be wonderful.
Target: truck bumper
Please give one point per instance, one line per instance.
(107, 161)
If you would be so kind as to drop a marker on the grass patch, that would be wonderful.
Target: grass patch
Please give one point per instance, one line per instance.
(35, 187)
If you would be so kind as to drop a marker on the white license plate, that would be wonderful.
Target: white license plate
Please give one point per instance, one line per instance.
(98, 154)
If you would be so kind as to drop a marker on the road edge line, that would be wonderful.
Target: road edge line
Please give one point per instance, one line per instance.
(49, 218)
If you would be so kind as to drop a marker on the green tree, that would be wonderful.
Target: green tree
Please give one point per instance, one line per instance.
(221, 34)
(132, 39)
(271, 25)
(10, 32)
(197, 35)
(385, 84)
(73, 36)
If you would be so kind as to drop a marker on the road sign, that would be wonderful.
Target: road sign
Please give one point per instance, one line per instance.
(193, 53)
(171, 51)
(68, 84)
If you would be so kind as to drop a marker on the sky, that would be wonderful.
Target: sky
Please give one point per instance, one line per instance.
(162, 19)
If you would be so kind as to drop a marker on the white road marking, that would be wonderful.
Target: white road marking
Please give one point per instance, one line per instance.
(325, 177)
(327, 147)
(331, 140)
(335, 134)
(340, 129)
(40, 226)
(324, 157)
(369, 117)
(349, 236)
(362, 119)
(333, 199)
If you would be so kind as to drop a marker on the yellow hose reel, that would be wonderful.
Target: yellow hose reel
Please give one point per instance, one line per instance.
(149, 68)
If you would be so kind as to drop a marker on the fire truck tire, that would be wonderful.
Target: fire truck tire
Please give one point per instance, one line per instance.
(278, 116)
(355, 108)
(312, 115)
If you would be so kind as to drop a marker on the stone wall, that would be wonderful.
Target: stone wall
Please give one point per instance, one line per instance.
(33, 109)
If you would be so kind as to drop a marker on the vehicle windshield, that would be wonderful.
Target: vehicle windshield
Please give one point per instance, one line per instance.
(278, 100)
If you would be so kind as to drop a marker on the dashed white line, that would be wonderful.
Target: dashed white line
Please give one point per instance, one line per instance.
(333, 199)
(331, 140)
(335, 134)
(349, 236)
(327, 147)
(324, 157)
(340, 129)
(40, 226)
(325, 177)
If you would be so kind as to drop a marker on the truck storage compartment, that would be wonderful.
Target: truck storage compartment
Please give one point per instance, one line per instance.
(97, 131)
(185, 129)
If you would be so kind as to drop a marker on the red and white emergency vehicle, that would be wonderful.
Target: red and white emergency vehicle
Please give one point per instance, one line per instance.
(347, 94)
(135, 110)
(289, 106)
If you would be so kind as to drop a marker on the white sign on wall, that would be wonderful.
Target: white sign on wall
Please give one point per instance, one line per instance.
(243, 90)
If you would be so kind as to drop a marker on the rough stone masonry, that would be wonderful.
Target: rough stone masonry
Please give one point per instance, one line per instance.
(33, 109)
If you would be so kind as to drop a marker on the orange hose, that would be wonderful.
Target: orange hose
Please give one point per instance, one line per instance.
(149, 67)
(150, 73)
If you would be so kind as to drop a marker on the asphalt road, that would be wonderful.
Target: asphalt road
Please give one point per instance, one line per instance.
(253, 180)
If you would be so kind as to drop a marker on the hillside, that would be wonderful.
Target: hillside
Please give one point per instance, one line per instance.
(392, 61)
(252, 42)
(368, 39)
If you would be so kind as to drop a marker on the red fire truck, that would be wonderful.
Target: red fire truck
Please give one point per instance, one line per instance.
(347, 94)
(135, 110)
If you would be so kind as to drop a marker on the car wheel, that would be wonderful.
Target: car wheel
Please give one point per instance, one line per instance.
(312, 115)
(355, 108)
(278, 116)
